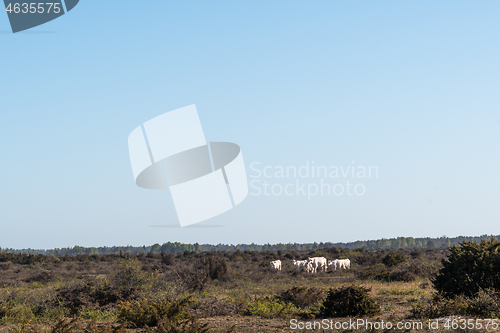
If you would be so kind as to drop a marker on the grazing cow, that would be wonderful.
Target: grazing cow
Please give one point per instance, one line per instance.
(333, 264)
(299, 264)
(318, 262)
(340, 263)
(344, 263)
(276, 264)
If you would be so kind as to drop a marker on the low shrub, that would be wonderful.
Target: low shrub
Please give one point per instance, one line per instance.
(87, 294)
(367, 258)
(402, 275)
(43, 277)
(5, 309)
(198, 276)
(381, 273)
(68, 325)
(97, 314)
(195, 279)
(376, 272)
(149, 313)
(130, 279)
(216, 266)
(185, 326)
(168, 259)
(26, 328)
(5, 266)
(393, 259)
(301, 297)
(484, 304)
(415, 254)
(12, 312)
(348, 302)
(268, 307)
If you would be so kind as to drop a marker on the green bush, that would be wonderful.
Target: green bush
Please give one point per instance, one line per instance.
(6, 309)
(470, 268)
(393, 259)
(268, 307)
(349, 301)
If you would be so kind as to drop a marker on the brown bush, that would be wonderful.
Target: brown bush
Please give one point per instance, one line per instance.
(195, 280)
(402, 275)
(415, 254)
(484, 304)
(150, 313)
(376, 272)
(214, 267)
(130, 279)
(217, 268)
(168, 259)
(43, 277)
(367, 258)
(5, 265)
(301, 296)
(87, 294)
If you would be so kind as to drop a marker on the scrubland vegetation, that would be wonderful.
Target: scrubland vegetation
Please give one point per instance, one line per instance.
(238, 292)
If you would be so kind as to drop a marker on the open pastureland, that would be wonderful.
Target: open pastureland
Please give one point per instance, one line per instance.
(216, 291)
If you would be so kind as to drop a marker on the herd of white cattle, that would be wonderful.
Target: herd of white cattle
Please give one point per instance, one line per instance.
(311, 265)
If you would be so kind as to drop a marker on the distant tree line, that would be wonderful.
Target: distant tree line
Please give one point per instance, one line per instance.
(176, 247)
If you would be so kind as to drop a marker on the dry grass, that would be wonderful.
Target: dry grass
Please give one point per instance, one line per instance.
(32, 295)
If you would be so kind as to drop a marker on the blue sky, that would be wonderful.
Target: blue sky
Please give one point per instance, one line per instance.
(410, 87)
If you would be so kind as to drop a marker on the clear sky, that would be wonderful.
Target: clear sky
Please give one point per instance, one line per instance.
(411, 87)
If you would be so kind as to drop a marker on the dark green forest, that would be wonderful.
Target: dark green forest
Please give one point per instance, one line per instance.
(176, 247)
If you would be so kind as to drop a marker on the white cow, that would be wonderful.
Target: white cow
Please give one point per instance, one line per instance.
(318, 262)
(333, 264)
(340, 263)
(344, 263)
(276, 264)
(308, 267)
(299, 264)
